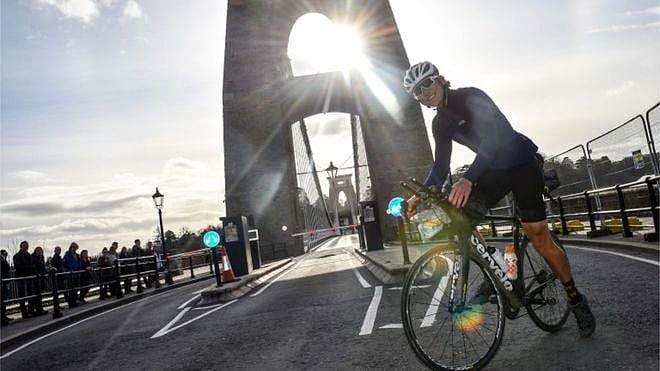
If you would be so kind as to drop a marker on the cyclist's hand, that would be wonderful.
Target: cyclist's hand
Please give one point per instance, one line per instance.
(460, 192)
(411, 206)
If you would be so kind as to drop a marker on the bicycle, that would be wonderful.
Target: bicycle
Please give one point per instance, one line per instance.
(438, 297)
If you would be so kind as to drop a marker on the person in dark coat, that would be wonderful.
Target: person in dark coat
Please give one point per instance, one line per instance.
(40, 282)
(104, 273)
(4, 273)
(72, 264)
(57, 263)
(125, 268)
(85, 276)
(24, 268)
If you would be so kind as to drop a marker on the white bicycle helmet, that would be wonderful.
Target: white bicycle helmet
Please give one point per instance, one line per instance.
(418, 73)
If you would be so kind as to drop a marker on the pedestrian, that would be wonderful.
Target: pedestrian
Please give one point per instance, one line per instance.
(126, 270)
(57, 264)
(104, 273)
(4, 274)
(40, 281)
(112, 258)
(137, 252)
(72, 266)
(24, 268)
(85, 276)
(149, 251)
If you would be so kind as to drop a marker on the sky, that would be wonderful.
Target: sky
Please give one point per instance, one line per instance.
(103, 100)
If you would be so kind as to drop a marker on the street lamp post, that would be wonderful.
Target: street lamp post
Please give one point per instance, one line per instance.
(332, 174)
(158, 201)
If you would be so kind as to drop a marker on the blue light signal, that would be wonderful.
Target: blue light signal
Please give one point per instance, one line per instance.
(211, 239)
(395, 206)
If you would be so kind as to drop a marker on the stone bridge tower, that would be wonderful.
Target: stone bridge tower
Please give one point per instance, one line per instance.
(261, 100)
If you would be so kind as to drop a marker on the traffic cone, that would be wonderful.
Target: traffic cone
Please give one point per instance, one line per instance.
(227, 272)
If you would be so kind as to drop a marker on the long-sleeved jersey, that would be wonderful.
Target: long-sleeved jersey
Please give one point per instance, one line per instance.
(472, 119)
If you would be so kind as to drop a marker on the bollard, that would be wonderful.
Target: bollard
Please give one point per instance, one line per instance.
(157, 283)
(622, 210)
(57, 312)
(118, 291)
(402, 234)
(216, 266)
(192, 274)
(653, 201)
(592, 222)
(168, 274)
(210, 263)
(39, 306)
(139, 287)
(564, 227)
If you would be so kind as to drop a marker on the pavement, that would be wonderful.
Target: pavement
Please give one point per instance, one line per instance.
(20, 330)
(388, 264)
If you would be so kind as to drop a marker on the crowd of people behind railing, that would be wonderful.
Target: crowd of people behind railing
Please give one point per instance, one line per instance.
(73, 274)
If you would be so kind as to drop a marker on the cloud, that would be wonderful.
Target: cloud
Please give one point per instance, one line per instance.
(652, 11)
(626, 85)
(85, 10)
(133, 10)
(41, 208)
(627, 27)
(31, 177)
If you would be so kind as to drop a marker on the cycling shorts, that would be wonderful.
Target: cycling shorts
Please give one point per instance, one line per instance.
(526, 183)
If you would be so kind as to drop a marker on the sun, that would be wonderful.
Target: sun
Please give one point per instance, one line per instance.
(318, 45)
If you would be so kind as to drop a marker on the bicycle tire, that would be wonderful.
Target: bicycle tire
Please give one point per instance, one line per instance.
(548, 317)
(420, 276)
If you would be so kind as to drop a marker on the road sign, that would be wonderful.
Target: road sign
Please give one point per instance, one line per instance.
(211, 239)
(394, 207)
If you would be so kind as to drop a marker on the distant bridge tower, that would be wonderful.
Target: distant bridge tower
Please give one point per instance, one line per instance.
(261, 100)
(339, 184)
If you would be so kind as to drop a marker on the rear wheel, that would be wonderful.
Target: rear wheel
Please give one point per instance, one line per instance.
(445, 331)
(547, 303)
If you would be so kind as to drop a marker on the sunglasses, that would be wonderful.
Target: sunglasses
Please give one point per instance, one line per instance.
(424, 84)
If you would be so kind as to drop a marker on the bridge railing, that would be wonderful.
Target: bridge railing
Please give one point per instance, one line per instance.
(52, 288)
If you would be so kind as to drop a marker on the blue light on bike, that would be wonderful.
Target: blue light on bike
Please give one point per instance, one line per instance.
(395, 206)
(211, 239)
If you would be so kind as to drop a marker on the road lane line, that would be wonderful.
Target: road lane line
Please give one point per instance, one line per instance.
(277, 278)
(163, 331)
(370, 317)
(393, 325)
(188, 301)
(431, 312)
(363, 282)
(79, 322)
(414, 287)
(198, 291)
(194, 319)
(649, 261)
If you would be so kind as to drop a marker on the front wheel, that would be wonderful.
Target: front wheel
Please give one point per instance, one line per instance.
(546, 302)
(446, 329)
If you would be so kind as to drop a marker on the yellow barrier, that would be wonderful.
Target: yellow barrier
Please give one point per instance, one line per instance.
(573, 225)
(616, 225)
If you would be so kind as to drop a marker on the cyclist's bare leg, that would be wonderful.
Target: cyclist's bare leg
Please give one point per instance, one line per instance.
(539, 234)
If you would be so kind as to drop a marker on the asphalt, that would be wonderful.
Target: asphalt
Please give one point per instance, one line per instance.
(311, 314)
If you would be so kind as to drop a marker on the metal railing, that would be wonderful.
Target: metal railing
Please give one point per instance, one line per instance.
(30, 294)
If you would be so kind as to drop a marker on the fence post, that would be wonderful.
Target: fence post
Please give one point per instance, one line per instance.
(139, 287)
(562, 218)
(402, 235)
(37, 288)
(118, 291)
(192, 274)
(592, 222)
(624, 215)
(57, 312)
(157, 276)
(168, 273)
(210, 262)
(654, 211)
(216, 266)
(492, 226)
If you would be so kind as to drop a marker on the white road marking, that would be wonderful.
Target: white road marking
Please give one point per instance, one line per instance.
(429, 318)
(649, 261)
(393, 325)
(188, 301)
(208, 306)
(277, 278)
(414, 287)
(370, 317)
(162, 332)
(198, 291)
(77, 323)
(360, 278)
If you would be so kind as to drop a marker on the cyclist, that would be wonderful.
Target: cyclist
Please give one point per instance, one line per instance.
(505, 162)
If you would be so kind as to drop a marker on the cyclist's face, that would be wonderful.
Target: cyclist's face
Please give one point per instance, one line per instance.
(430, 94)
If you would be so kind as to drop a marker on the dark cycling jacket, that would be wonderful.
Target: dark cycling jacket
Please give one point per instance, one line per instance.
(472, 119)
